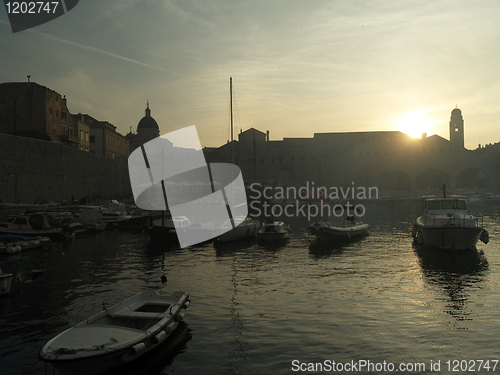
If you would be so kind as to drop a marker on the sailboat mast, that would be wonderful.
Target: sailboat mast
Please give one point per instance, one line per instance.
(231, 106)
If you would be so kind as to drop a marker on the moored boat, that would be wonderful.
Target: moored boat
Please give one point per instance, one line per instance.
(10, 242)
(116, 335)
(348, 231)
(247, 228)
(32, 225)
(446, 223)
(273, 231)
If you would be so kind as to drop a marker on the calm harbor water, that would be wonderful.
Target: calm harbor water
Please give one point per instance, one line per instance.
(258, 308)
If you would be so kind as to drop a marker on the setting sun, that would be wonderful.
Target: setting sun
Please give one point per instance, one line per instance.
(414, 125)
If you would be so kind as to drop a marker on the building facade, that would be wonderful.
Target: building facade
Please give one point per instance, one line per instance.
(29, 108)
(103, 139)
(392, 161)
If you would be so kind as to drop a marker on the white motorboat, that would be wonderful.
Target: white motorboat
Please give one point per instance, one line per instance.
(32, 225)
(446, 223)
(5, 281)
(273, 231)
(91, 218)
(116, 335)
(246, 229)
(348, 231)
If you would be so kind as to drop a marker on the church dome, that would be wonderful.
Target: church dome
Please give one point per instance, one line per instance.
(147, 122)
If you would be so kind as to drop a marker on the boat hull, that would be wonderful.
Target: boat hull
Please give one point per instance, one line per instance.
(92, 347)
(239, 233)
(55, 235)
(271, 237)
(327, 232)
(449, 237)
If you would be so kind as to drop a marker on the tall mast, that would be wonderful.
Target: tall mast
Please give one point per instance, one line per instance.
(231, 106)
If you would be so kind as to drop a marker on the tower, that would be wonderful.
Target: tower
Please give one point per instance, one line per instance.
(457, 127)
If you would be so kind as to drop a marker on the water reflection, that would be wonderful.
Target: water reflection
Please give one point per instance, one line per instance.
(456, 275)
(326, 249)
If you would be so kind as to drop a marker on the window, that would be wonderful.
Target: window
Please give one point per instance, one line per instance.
(50, 110)
(86, 137)
(434, 205)
(81, 135)
(63, 114)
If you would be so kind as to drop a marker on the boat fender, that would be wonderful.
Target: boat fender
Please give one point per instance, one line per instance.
(180, 315)
(171, 327)
(10, 250)
(186, 304)
(160, 337)
(17, 248)
(414, 231)
(138, 348)
(132, 352)
(485, 237)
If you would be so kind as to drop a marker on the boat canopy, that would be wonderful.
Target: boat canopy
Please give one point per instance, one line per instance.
(446, 204)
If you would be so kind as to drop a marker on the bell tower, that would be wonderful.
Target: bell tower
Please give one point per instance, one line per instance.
(457, 127)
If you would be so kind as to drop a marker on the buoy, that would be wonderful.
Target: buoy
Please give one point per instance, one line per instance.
(10, 250)
(17, 248)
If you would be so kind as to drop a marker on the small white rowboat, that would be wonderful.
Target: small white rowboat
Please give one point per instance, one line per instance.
(117, 335)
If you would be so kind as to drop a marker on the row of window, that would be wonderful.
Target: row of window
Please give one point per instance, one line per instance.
(115, 142)
(84, 136)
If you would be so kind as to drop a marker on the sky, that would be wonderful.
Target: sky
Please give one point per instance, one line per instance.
(299, 67)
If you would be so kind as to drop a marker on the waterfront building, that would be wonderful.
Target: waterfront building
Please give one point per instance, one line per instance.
(103, 139)
(30, 109)
(390, 160)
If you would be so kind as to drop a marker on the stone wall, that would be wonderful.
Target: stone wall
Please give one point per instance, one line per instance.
(34, 171)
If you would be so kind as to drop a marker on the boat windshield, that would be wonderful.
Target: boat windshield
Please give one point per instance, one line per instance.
(447, 205)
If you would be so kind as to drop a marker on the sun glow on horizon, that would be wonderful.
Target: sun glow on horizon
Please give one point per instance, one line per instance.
(414, 125)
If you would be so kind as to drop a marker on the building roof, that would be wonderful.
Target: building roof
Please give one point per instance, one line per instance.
(147, 122)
